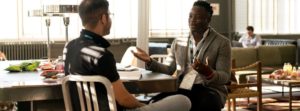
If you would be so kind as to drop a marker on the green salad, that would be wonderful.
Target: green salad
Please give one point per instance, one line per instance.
(24, 66)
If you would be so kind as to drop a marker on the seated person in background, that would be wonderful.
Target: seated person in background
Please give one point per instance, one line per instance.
(250, 39)
(2, 56)
(89, 55)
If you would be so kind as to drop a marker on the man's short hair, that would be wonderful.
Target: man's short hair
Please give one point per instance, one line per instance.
(250, 28)
(204, 5)
(90, 11)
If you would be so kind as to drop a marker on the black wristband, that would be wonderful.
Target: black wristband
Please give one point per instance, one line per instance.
(149, 63)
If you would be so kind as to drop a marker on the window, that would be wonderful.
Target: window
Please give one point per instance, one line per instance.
(9, 22)
(267, 16)
(125, 18)
(168, 18)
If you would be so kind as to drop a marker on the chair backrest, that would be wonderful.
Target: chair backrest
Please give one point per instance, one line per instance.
(233, 79)
(87, 93)
(243, 90)
(128, 58)
(257, 66)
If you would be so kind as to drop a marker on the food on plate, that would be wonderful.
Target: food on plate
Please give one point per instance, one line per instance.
(14, 68)
(283, 75)
(30, 66)
(50, 80)
(278, 74)
(24, 66)
(46, 66)
(50, 74)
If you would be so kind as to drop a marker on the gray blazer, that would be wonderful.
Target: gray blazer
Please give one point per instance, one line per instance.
(218, 50)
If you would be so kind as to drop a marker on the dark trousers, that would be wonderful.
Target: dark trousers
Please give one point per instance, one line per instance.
(202, 98)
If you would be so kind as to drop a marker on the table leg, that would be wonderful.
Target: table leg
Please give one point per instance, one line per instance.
(282, 91)
(24, 106)
(290, 98)
(31, 106)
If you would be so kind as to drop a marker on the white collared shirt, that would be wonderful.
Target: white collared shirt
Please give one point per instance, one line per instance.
(199, 79)
(195, 47)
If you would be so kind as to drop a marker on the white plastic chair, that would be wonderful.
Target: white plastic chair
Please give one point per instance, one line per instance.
(87, 93)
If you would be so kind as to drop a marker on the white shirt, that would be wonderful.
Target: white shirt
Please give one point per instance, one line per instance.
(248, 41)
(198, 79)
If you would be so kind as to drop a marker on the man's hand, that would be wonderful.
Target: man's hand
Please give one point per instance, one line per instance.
(141, 54)
(202, 68)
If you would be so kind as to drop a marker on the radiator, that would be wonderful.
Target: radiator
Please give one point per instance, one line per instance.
(24, 50)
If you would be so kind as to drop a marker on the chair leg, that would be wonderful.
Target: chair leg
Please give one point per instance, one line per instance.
(282, 91)
(259, 103)
(248, 100)
(228, 105)
(234, 104)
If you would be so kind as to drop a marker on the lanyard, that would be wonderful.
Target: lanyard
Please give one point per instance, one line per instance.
(198, 46)
(197, 52)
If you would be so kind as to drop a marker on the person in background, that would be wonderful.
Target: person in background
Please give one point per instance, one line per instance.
(2, 56)
(202, 62)
(88, 55)
(250, 39)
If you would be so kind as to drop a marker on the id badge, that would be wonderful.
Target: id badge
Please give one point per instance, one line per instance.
(188, 80)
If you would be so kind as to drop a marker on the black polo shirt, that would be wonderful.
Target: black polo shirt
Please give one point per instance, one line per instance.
(88, 55)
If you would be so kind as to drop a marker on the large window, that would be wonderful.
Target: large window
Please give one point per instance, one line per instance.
(168, 18)
(268, 16)
(9, 21)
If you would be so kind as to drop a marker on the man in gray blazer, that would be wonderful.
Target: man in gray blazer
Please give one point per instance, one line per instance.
(201, 62)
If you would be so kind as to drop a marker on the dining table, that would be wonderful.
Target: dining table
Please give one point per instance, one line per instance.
(30, 86)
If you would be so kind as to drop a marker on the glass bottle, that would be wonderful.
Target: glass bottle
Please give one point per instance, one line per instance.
(289, 68)
(298, 73)
(60, 64)
(284, 68)
(294, 73)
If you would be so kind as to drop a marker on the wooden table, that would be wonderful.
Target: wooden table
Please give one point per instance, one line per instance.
(289, 83)
(30, 86)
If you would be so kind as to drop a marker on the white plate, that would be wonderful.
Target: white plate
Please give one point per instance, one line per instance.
(50, 80)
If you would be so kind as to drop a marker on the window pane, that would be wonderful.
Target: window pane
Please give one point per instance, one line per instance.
(295, 16)
(34, 27)
(255, 12)
(270, 16)
(124, 20)
(169, 18)
(157, 17)
(9, 19)
(241, 15)
(283, 16)
(267, 16)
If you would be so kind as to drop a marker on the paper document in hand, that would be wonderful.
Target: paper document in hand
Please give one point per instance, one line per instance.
(130, 75)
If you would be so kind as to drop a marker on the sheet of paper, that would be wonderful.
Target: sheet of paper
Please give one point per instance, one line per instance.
(188, 80)
(130, 75)
(121, 67)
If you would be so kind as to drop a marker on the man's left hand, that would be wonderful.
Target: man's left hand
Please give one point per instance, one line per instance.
(202, 68)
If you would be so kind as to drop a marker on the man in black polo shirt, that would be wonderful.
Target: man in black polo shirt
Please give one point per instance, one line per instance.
(88, 55)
